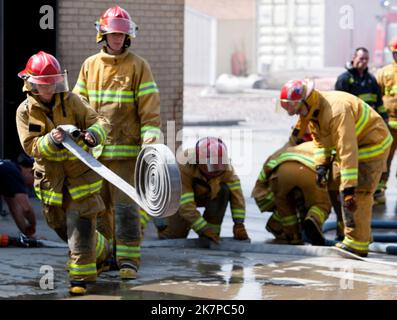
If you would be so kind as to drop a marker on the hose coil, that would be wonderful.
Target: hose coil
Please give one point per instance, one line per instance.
(157, 180)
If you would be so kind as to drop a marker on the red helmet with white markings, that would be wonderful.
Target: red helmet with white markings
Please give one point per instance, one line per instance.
(115, 20)
(293, 93)
(211, 153)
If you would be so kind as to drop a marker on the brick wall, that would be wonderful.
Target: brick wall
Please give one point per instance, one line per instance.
(159, 41)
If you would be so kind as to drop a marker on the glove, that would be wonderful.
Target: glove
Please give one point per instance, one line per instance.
(321, 176)
(239, 232)
(349, 204)
(210, 234)
(88, 138)
(72, 130)
(30, 230)
(56, 137)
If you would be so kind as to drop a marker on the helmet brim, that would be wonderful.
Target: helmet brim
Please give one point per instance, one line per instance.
(47, 79)
(309, 87)
(117, 25)
(23, 74)
(57, 83)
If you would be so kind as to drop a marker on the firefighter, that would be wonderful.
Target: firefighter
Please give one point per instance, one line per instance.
(361, 140)
(286, 187)
(358, 81)
(119, 85)
(209, 181)
(68, 189)
(387, 81)
(361, 83)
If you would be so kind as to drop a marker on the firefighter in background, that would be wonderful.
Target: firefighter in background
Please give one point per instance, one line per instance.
(67, 188)
(361, 83)
(342, 122)
(120, 86)
(209, 181)
(387, 81)
(286, 187)
(358, 81)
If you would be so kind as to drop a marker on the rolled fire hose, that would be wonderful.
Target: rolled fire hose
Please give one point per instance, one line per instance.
(157, 180)
(157, 175)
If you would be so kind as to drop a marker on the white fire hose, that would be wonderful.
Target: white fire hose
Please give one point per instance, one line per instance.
(157, 177)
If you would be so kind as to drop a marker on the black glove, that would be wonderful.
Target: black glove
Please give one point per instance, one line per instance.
(24, 241)
(321, 176)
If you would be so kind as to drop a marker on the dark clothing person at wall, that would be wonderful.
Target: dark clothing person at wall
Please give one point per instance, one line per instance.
(365, 87)
(14, 177)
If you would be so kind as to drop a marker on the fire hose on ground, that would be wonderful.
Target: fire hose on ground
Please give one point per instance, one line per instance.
(375, 224)
(382, 243)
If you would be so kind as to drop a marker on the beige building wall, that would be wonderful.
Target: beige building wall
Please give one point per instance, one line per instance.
(313, 34)
(159, 41)
(349, 24)
(235, 35)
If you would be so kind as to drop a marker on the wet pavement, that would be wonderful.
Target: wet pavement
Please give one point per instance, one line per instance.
(187, 269)
(180, 274)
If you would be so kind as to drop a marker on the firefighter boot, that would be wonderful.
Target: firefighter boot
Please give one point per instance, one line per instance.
(313, 232)
(342, 246)
(379, 194)
(128, 271)
(77, 288)
(274, 225)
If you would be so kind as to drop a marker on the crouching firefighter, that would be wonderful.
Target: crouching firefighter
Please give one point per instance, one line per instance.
(361, 140)
(286, 187)
(67, 188)
(209, 181)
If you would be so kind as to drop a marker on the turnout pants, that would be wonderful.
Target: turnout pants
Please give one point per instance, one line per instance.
(120, 222)
(359, 236)
(291, 211)
(385, 175)
(214, 211)
(75, 223)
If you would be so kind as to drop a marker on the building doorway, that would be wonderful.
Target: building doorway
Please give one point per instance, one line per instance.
(24, 30)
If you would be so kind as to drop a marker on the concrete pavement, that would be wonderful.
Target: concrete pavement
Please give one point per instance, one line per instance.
(187, 270)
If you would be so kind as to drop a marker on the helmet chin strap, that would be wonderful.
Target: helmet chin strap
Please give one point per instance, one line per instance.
(307, 107)
(108, 45)
(210, 175)
(394, 56)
